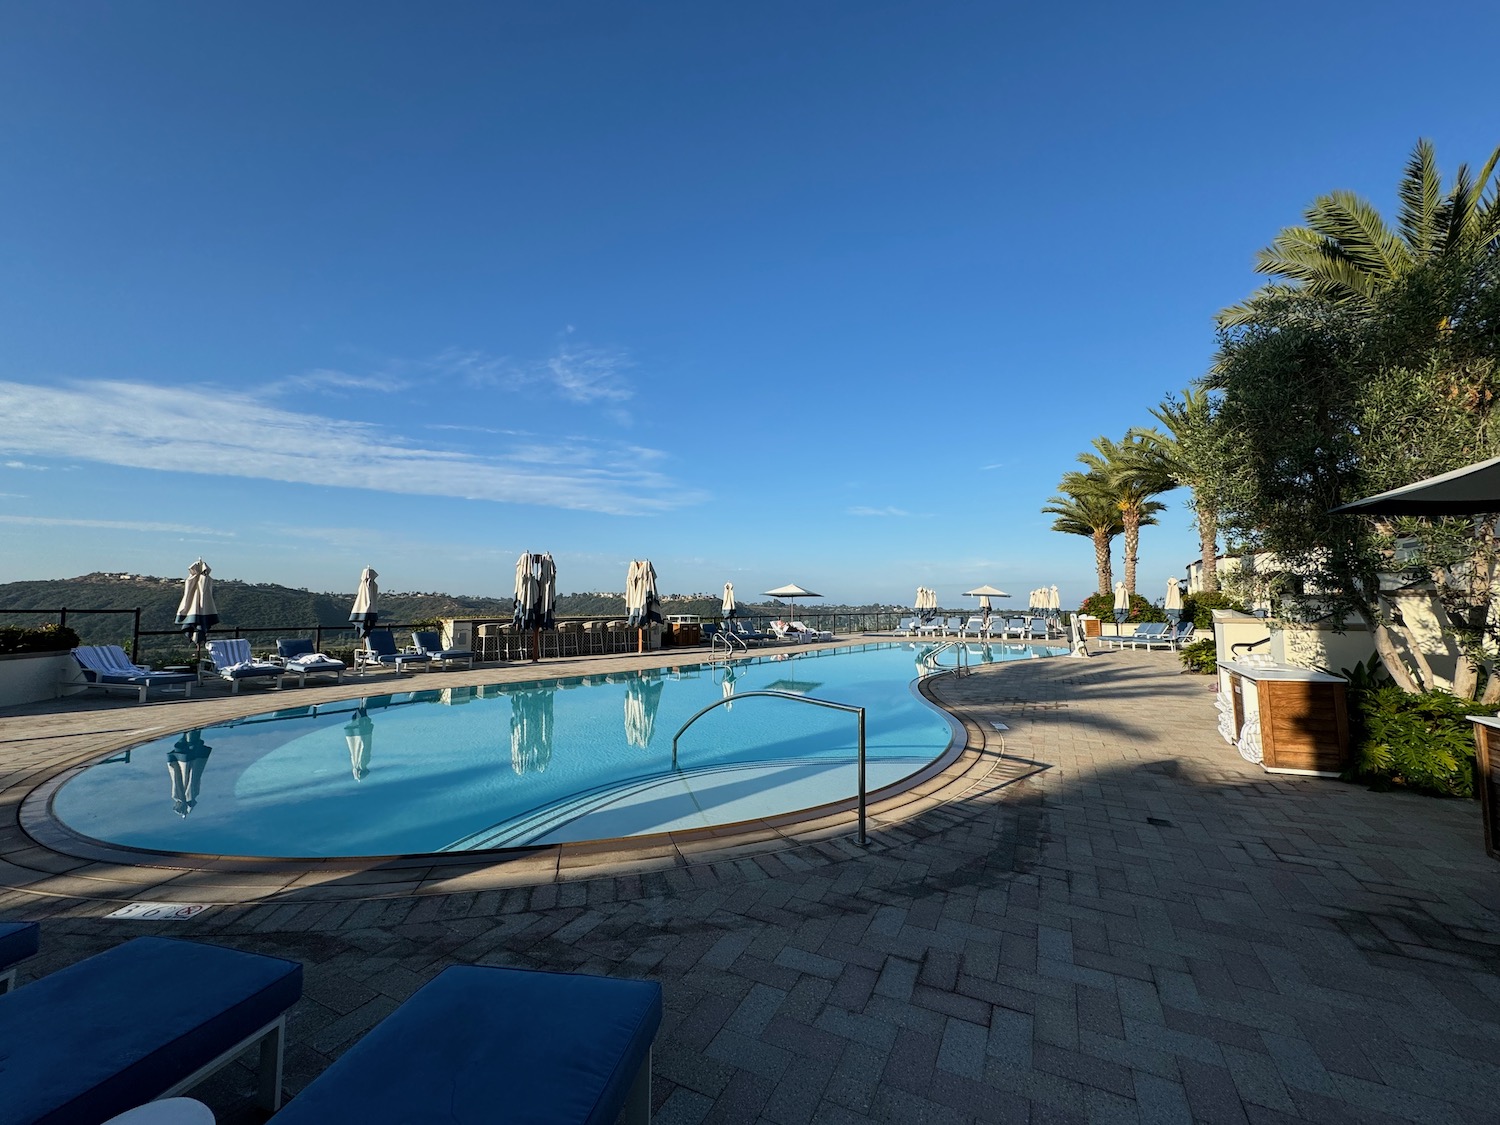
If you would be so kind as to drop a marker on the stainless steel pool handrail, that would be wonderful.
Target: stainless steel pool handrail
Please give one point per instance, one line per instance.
(858, 711)
(961, 660)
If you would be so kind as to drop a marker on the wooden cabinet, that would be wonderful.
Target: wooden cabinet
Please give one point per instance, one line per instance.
(1289, 720)
(1487, 778)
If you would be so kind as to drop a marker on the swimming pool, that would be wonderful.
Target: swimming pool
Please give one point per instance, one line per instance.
(541, 762)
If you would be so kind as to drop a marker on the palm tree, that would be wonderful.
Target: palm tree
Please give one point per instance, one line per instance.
(1185, 454)
(1087, 507)
(1347, 252)
(1132, 476)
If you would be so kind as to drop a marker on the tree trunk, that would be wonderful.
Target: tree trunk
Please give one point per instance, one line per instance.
(1208, 541)
(1132, 521)
(1385, 647)
(1103, 568)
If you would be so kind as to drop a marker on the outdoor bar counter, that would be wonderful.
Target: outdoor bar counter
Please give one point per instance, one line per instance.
(1288, 719)
(1487, 777)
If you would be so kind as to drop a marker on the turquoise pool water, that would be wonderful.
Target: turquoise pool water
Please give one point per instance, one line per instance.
(541, 762)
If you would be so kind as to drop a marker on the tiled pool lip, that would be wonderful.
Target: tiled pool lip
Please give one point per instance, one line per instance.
(968, 761)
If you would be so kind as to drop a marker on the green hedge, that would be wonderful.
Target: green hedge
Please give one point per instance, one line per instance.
(1420, 742)
(42, 638)
(1102, 606)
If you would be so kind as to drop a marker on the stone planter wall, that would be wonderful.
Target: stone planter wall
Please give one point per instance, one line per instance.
(26, 677)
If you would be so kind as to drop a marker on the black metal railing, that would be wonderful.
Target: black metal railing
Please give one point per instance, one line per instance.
(169, 645)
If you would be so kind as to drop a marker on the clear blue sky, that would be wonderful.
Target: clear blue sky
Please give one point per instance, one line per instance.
(825, 293)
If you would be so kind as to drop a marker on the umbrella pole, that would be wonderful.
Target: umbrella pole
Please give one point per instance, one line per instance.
(536, 646)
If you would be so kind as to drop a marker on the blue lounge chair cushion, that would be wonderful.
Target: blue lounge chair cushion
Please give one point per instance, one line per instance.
(18, 941)
(382, 644)
(118, 1029)
(478, 1044)
(300, 654)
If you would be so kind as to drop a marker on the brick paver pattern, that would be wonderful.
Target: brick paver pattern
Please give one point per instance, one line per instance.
(1136, 926)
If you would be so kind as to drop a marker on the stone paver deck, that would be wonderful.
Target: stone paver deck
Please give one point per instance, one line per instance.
(1101, 915)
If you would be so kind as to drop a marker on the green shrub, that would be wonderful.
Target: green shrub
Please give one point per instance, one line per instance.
(42, 638)
(1201, 657)
(1199, 608)
(1421, 742)
(1102, 606)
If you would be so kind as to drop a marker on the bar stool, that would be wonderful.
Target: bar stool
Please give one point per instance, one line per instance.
(593, 636)
(616, 631)
(569, 638)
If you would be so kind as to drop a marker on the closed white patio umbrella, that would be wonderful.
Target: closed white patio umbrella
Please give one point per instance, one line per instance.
(363, 614)
(1173, 605)
(1122, 604)
(197, 613)
(729, 607)
(1054, 602)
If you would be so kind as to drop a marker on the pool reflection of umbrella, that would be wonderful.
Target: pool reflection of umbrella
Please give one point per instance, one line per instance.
(359, 736)
(798, 687)
(727, 683)
(197, 613)
(363, 614)
(642, 698)
(531, 730)
(185, 762)
(1173, 605)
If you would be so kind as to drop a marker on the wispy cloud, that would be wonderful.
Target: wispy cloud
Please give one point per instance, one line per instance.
(205, 431)
(586, 374)
(996, 465)
(24, 465)
(861, 511)
(117, 525)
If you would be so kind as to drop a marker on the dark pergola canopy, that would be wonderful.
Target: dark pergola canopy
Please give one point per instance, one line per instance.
(1463, 492)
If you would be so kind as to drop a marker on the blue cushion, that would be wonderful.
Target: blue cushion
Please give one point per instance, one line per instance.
(18, 941)
(482, 1044)
(116, 1030)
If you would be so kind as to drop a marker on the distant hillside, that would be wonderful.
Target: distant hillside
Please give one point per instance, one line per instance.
(250, 605)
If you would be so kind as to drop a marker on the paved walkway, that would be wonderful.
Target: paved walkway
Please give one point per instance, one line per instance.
(1119, 920)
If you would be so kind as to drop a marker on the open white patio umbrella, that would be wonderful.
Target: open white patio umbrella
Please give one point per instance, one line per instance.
(791, 592)
(984, 594)
(1122, 603)
(1173, 605)
(362, 616)
(196, 613)
(359, 734)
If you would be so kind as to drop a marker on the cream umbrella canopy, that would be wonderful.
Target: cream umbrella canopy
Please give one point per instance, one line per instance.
(984, 594)
(790, 592)
(1122, 604)
(1054, 602)
(728, 607)
(196, 612)
(363, 613)
(1173, 605)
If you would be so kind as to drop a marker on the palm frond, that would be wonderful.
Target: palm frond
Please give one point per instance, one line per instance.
(1363, 237)
(1421, 194)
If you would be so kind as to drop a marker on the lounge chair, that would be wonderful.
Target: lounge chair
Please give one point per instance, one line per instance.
(1014, 627)
(231, 660)
(107, 668)
(973, 627)
(1180, 635)
(430, 642)
(907, 627)
(479, 1044)
(1037, 630)
(380, 651)
(147, 1019)
(932, 627)
(749, 634)
(811, 634)
(18, 941)
(1144, 635)
(298, 657)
